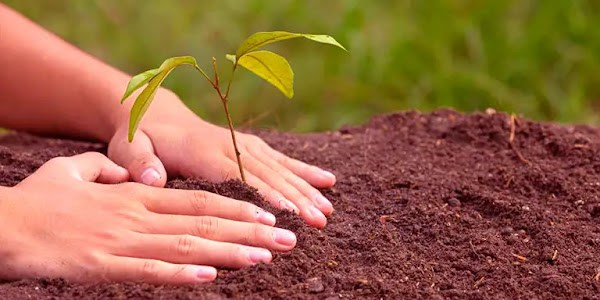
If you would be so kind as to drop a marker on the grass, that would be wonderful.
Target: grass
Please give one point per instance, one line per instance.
(536, 58)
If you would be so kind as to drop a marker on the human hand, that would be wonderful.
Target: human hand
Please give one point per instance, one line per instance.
(192, 147)
(60, 222)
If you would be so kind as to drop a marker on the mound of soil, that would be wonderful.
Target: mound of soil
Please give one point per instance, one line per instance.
(428, 206)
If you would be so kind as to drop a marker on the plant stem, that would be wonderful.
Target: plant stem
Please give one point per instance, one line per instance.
(237, 152)
(229, 122)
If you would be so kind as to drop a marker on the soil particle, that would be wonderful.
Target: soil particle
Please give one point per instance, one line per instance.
(315, 285)
(453, 202)
(395, 233)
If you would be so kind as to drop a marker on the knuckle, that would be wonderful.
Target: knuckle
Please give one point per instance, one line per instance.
(92, 263)
(238, 255)
(60, 161)
(247, 209)
(184, 246)
(128, 187)
(133, 191)
(149, 270)
(282, 159)
(255, 232)
(93, 155)
(206, 227)
(293, 180)
(255, 140)
(300, 184)
(143, 159)
(130, 216)
(199, 202)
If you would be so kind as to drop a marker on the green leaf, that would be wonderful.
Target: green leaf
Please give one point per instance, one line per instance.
(261, 39)
(138, 81)
(271, 67)
(325, 39)
(143, 100)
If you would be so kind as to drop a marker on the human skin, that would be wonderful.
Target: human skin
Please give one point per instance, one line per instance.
(73, 219)
(48, 86)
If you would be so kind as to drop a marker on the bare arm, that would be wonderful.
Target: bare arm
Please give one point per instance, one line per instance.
(49, 86)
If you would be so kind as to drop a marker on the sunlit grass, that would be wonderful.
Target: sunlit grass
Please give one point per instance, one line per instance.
(537, 58)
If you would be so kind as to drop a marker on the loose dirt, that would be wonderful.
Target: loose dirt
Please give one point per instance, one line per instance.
(428, 206)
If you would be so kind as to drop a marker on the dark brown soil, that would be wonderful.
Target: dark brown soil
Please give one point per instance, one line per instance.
(428, 206)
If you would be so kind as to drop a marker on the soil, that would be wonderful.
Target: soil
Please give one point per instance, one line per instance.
(428, 206)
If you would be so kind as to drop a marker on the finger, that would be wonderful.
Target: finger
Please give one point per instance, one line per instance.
(189, 249)
(90, 166)
(138, 157)
(202, 203)
(315, 176)
(272, 196)
(156, 271)
(223, 230)
(308, 211)
(292, 179)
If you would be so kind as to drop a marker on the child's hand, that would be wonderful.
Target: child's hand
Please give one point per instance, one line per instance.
(60, 223)
(192, 147)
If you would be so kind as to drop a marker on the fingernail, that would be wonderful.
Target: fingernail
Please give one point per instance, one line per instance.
(149, 176)
(259, 255)
(321, 201)
(289, 206)
(328, 174)
(315, 212)
(284, 237)
(265, 217)
(206, 274)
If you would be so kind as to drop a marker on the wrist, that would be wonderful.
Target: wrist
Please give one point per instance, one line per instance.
(166, 108)
(7, 195)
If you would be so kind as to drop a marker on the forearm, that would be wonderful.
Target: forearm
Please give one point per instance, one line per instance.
(49, 86)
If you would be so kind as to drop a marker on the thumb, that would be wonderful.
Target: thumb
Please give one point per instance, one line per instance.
(90, 166)
(138, 157)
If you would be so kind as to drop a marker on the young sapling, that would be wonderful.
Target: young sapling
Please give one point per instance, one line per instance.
(270, 66)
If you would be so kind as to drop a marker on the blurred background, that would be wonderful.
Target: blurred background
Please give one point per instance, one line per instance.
(540, 58)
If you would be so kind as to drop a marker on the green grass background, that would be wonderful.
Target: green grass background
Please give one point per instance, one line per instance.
(536, 58)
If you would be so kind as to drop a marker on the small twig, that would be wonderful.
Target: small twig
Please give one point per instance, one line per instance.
(509, 181)
(511, 139)
(473, 249)
(321, 149)
(383, 219)
(520, 257)
(479, 282)
(555, 255)
(216, 73)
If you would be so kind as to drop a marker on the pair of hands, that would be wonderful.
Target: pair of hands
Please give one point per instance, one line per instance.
(61, 222)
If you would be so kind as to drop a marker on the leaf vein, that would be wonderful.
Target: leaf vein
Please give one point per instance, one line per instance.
(268, 69)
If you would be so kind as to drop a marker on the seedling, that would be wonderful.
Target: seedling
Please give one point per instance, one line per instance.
(270, 66)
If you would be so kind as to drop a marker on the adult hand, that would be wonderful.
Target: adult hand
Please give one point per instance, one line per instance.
(60, 222)
(73, 94)
(188, 146)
